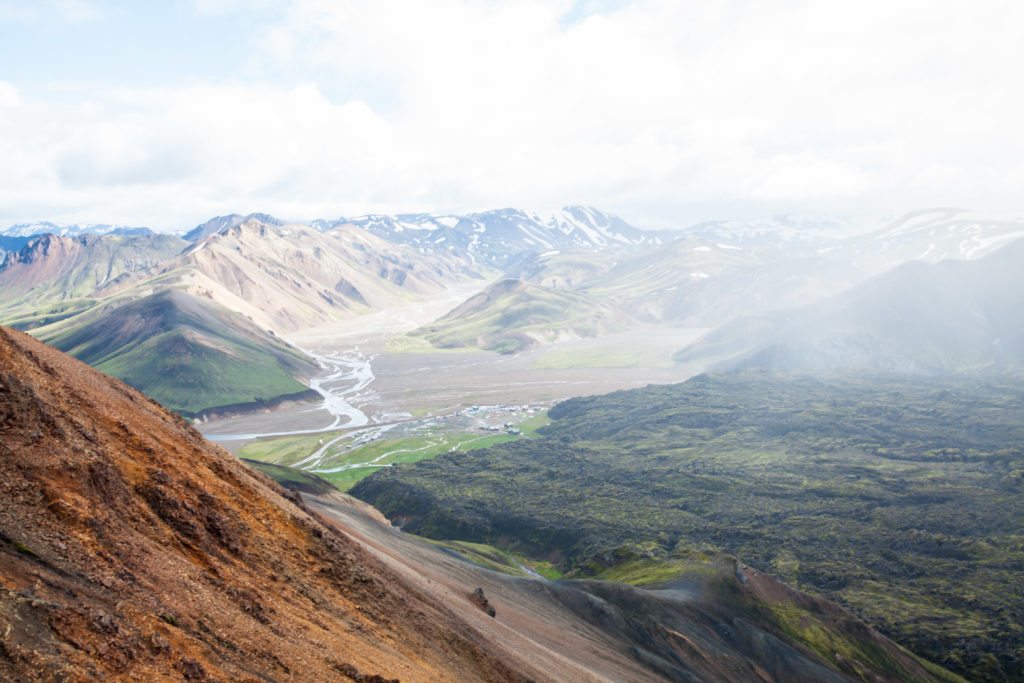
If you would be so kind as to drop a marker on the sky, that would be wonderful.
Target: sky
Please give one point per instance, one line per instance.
(167, 112)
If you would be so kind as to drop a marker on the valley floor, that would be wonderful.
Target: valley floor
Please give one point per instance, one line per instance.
(375, 376)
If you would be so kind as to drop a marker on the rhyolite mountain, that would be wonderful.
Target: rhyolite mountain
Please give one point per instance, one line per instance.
(53, 276)
(201, 328)
(288, 277)
(219, 223)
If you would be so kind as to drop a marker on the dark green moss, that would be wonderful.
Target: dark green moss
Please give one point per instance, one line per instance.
(898, 497)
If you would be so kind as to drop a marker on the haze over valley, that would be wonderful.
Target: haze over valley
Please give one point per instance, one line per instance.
(517, 341)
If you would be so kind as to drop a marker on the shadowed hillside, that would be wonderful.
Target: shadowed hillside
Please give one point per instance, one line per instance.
(923, 318)
(188, 353)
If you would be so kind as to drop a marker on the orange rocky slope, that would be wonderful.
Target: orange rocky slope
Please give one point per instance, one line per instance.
(132, 549)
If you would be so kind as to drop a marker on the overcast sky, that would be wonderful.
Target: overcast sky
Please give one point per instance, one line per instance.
(165, 113)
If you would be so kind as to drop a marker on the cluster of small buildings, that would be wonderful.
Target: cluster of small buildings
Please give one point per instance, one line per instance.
(521, 411)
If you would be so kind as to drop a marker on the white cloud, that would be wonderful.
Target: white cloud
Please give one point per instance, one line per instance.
(651, 110)
(9, 95)
(163, 157)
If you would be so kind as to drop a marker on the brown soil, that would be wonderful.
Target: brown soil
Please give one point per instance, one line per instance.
(131, 549)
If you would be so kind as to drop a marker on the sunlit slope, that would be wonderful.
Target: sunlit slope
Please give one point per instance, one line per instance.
(512, 315)
(54, 276)
(287, 277)
(188, 353)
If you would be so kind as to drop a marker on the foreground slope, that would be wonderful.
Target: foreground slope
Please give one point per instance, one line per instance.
(717, 621)
(132, 549)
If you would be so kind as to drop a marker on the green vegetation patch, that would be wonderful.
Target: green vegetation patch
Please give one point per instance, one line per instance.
(285, 450)
(293, 479)
(900, 498)
(343, 464)
(511, 316)
(499, 560)
(403, 343)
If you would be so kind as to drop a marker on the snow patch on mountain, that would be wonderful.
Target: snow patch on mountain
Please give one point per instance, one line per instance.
(497, 236)
(70, 230)
(784, 230)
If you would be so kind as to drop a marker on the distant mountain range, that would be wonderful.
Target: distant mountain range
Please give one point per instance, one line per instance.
(785, 230)
(579, 272)
(498, 237)
(930, 236)
(197, 324)
(69, 230)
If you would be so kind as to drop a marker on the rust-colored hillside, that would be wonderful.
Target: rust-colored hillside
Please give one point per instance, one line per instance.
(132, 549)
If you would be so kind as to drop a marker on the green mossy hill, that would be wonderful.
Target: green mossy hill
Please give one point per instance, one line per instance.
(900, 498)
(512, 315)
(190, 355)
(293, 479)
